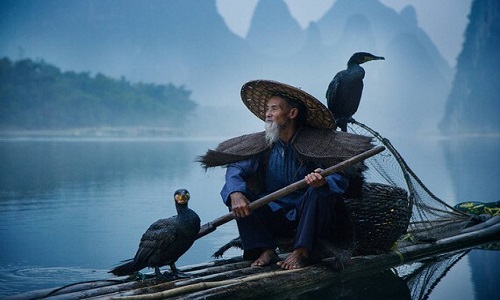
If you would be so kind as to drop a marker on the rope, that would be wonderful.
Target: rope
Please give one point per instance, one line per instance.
(400, 255)
(478, 208)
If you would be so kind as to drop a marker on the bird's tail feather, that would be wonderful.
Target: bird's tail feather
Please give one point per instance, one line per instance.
(130, 266)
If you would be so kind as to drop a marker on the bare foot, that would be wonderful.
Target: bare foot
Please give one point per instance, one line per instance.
(266, 258)
(296, 260)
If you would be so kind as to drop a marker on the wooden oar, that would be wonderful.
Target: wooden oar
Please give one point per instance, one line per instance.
(211, 226)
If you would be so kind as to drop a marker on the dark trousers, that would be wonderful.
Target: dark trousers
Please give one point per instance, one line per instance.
(315, 216)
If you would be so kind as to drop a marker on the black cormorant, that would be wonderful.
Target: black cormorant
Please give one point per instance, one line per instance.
(344, 91)
(165, 240)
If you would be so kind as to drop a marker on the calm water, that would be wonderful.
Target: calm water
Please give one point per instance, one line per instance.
(72, 209)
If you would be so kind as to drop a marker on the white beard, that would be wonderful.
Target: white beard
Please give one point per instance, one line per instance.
(272, 132)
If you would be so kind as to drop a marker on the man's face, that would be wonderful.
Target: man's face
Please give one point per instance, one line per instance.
(278, 111)
(278, 117)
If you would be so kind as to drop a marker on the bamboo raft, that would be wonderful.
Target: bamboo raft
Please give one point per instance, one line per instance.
(225, 278)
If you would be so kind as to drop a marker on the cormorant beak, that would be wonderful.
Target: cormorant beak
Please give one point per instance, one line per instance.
(368, 58)
(181, 198)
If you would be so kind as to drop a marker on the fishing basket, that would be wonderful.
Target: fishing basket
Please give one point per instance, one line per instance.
(380, 216)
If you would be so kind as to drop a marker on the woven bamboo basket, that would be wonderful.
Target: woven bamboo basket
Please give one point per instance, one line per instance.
(380, 216)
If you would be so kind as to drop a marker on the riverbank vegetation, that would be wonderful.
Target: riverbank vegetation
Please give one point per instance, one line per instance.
(35, 95)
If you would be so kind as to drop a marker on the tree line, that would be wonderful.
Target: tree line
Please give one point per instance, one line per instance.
(37, 95)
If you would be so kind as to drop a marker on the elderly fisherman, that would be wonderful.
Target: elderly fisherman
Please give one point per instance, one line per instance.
(299, 140)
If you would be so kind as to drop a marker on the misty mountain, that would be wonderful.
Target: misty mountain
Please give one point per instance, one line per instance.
(154, 41)
(474, 101)
(186, 42)
(273, 31)
(372, 25)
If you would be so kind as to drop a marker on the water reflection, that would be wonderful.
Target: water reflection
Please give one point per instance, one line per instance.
(411, 281)
(35, 168)
(380, 286)
(485, 273)
(474, 166)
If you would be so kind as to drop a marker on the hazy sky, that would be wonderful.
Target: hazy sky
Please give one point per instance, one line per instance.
(443, 20)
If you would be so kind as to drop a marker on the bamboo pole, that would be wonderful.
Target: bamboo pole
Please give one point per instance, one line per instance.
(211, 226)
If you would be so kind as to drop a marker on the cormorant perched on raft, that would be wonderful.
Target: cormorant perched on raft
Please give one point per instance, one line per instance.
(165, 240)
(344, 91)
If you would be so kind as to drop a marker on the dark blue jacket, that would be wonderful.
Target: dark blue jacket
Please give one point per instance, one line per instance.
(277, 169)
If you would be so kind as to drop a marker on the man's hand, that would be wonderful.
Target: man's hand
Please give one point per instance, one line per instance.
(315, 179)
(239, 205)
